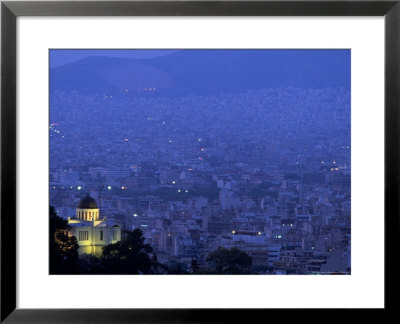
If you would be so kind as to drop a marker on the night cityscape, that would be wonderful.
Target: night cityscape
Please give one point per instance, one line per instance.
(200, 162)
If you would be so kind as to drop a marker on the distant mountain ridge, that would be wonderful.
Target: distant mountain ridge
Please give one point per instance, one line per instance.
(205, 72)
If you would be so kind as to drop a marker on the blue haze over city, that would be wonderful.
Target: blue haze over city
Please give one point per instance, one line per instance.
(228, 161)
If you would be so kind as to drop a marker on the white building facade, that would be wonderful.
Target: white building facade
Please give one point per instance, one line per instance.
(92, 232)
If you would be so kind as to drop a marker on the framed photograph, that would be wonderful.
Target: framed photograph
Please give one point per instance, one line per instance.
(193, 161)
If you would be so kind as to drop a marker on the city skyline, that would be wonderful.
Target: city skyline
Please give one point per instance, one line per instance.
(203, 157)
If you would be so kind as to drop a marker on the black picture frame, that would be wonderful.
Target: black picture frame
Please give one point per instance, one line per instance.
(10, 10)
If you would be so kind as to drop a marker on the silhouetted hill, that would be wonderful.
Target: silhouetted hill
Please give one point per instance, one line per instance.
(205, 72)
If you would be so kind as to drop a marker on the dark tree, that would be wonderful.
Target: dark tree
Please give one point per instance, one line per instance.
(175, 267)
(128, 256)
(63, 249)
(194, 268)
(230, 261)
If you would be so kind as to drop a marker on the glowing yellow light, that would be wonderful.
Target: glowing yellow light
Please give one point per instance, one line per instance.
(233, 232)
(259, 233)
(79, 188)
(173, 182)
(135, 215)
(109, 187)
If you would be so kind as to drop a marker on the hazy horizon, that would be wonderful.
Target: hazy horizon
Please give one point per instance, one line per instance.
(59, 57)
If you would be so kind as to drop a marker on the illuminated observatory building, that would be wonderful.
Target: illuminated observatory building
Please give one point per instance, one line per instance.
(91, 232)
